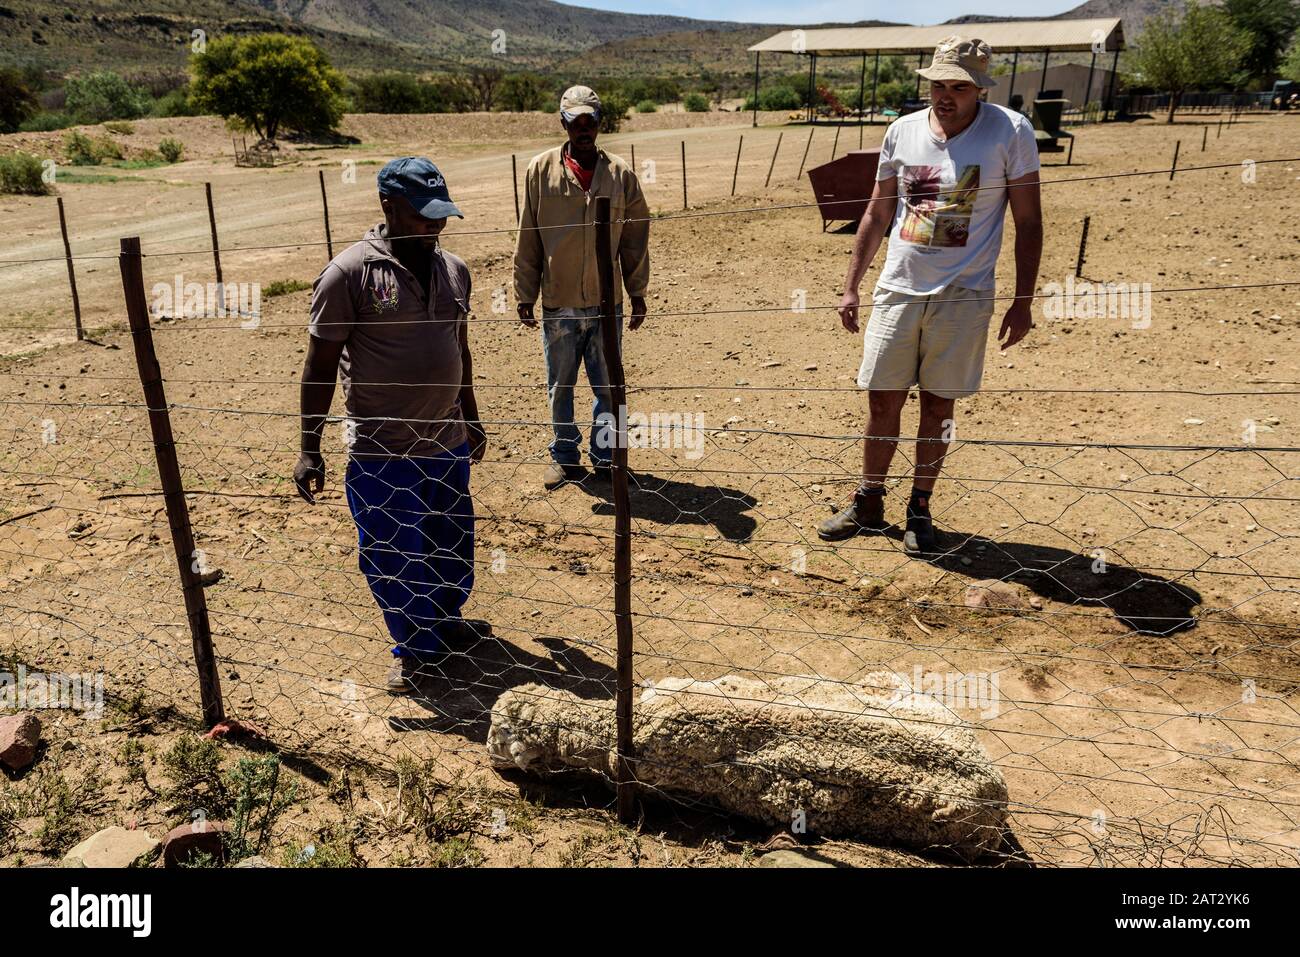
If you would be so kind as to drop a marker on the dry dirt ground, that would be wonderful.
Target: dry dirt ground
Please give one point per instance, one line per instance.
(1137, 486)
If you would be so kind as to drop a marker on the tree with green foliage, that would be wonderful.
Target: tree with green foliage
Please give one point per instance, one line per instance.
(1290, 67)
(613, 110)
(18, 103)
(389, 93)
(267, 82)
(523, 92)
(1202, 49)
(1268, 25)
(104, 95)
(695, 103)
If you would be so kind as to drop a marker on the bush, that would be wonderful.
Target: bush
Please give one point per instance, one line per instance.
(121, 127)
(21, 173)
(47, 122)
(18, 102)
(96, 97)
(389, 93)
(696, 103)
(613, 108)
(80, 150)
(171, 150)
(522, 92)
(174, 103)
(283, 287)
(647, 106)
(776, 98)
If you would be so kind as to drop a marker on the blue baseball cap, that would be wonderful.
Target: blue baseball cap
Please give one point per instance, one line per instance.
(418, 181)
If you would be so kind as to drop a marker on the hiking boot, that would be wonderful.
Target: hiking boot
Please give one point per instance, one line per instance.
(866, 513)
(918, 538)
(405, 674)
(557, 474)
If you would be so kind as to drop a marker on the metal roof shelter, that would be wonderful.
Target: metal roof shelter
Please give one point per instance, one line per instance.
(1007, 36)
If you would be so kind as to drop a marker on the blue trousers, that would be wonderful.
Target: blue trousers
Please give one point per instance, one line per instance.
(415, 530)
(571, 338)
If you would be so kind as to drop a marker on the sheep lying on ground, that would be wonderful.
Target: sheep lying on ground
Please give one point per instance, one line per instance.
(872, 760)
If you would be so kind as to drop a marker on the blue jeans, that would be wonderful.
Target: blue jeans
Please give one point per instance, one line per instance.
(570, 338)
(415, 530)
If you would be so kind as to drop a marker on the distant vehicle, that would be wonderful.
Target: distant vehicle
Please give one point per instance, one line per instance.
(1284, 95)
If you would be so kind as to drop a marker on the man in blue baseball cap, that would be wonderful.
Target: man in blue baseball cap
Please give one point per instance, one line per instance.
(389, 316)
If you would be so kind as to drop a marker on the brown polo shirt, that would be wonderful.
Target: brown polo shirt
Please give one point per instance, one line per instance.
(401, 362)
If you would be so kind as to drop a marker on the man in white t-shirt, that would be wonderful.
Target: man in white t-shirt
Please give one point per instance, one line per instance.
(959, 163)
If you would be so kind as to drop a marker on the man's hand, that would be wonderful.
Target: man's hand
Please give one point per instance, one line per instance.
(309, 471)
(1016, 324)
(526, 315)
(477, 441)
(848, 310)
(638, 312)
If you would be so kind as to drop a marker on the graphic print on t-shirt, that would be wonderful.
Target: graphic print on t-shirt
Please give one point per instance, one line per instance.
(938, 213)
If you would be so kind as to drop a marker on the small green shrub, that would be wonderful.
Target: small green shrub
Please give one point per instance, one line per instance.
(21, 173)
(80, 150)
(46, 123)
(193, 765)
(282, 287)
(171, 150)
(696, 103)
(121, 127)
(647, 106)
(259, 802)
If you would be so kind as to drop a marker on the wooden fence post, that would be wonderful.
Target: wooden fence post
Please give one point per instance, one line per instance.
(169, 474)
(325, 205)
(684, 206)
(625, 778)
(771, 166)
(212, 223)
(1083, 248)
(807, 147)
(736, 172)
(514, 174)
(72, 275)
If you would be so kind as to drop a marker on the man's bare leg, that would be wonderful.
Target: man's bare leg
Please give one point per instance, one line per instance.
(867, 510)
(932, 437)
(883, 425)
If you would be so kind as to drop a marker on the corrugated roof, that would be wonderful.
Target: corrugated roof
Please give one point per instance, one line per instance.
(1003, 37)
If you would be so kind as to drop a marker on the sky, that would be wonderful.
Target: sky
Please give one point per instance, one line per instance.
(822, 11)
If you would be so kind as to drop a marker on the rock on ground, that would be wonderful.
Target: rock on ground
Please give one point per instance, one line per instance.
(871, 760)
(185, 841)
(112, 847)
(19, 736)
(791, 859)
(995, 596)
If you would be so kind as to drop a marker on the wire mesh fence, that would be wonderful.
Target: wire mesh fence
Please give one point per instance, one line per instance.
(1099, 659)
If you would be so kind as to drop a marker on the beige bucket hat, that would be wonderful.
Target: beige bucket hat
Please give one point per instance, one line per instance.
(958, 58)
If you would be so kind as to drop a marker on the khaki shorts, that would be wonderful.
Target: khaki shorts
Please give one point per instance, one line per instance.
(936, 342)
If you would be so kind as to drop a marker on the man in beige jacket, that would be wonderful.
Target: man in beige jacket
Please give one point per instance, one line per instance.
(555, 259)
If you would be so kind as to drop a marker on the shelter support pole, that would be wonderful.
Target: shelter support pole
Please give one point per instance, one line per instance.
(875, 77)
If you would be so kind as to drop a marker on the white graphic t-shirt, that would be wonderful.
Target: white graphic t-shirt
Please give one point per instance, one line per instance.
(948, 227)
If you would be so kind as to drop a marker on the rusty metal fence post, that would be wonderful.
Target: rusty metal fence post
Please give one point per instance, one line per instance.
(624, 756)
(169, 474)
